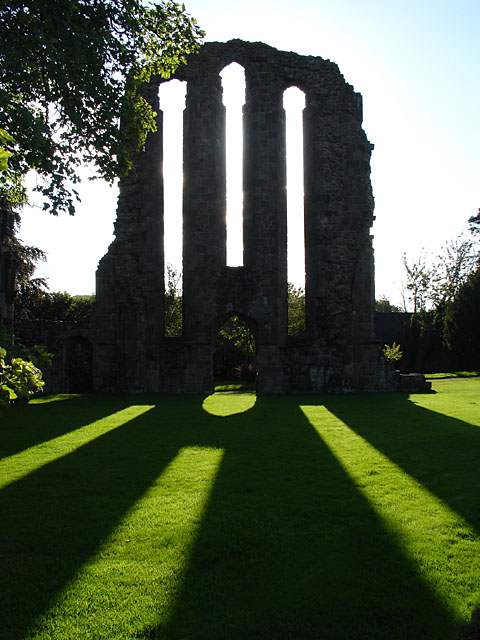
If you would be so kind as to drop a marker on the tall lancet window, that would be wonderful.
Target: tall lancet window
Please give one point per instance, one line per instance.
(233, 82)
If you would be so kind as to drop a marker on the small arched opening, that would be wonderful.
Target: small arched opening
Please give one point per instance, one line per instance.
(234, 355)
(79, 365)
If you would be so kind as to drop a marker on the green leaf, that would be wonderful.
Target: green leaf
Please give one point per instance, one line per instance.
(5, 136)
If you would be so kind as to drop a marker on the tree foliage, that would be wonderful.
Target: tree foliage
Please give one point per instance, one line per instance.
(296, 310)
(18, 378)
(433, 283)
(27, 258)
(33, 301)
(173, 303)
(237, 331)
(474, 223)
(20, 373)
(462, 322)
(453, 267)
(417, 289)
(5, 138)
(383, 305)
(12, 189)
(69, 71)
(55, 306)
(444, 294)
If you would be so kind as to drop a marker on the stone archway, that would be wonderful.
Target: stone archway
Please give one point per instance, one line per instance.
(234, 350)
(79, 365)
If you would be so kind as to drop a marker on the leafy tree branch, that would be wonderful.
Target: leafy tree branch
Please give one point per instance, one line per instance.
(70, 70)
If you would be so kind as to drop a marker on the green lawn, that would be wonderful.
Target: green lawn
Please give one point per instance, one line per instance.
(241, 518)
(453, 374)
(234, 385)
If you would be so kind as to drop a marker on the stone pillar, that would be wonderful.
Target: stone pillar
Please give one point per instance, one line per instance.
(338, 215)
(325, 283)
(129, 314)
(265, 217)
(265, 198)
(204, 223)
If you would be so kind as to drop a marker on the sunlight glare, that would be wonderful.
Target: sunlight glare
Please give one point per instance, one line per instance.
(172, 103)
(233, 83)
(294, 103)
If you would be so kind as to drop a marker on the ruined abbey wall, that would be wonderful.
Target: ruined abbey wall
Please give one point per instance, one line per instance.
(338, 352)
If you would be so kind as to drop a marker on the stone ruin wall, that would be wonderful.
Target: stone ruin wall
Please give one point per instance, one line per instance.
(338, 352)
(8, 267)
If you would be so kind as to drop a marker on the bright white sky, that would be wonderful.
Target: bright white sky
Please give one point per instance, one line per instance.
(417, 65)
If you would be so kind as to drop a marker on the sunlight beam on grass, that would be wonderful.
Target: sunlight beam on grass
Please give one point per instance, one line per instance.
(132, 582)
(21, 464)
(229, 404)
(57, 397)
(443, 547)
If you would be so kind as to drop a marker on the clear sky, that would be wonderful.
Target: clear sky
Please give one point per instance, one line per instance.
(416, 64)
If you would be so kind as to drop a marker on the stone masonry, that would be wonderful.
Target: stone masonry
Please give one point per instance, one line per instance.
(338, 352)
(8, 268)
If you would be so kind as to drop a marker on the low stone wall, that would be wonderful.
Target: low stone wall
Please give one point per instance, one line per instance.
(71, 347)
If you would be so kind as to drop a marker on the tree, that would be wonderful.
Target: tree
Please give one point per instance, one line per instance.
(173, 303)
(27, 258)
(474, 223)
(431, 284)
(432, 288)
(52, 306)
(237, 331)
(452, 267)
(383, 305)
(69, 71)
(462, 322)
(417, 289)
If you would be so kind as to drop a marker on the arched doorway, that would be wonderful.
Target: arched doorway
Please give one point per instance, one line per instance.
(79, 365)
(234, 354)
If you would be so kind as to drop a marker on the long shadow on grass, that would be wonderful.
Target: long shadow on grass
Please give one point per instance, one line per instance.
(54, 519)
(289, 548)
(24, 426)
(441, 452)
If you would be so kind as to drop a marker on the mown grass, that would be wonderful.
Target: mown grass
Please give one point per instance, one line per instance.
(237, 385)
(453, 374)
(241, 517)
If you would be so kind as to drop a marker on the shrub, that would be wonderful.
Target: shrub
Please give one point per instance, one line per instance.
(20, 375)
(392, 354)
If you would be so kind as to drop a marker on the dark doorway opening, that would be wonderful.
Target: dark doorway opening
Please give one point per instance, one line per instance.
(234, 354)
(79, 365)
